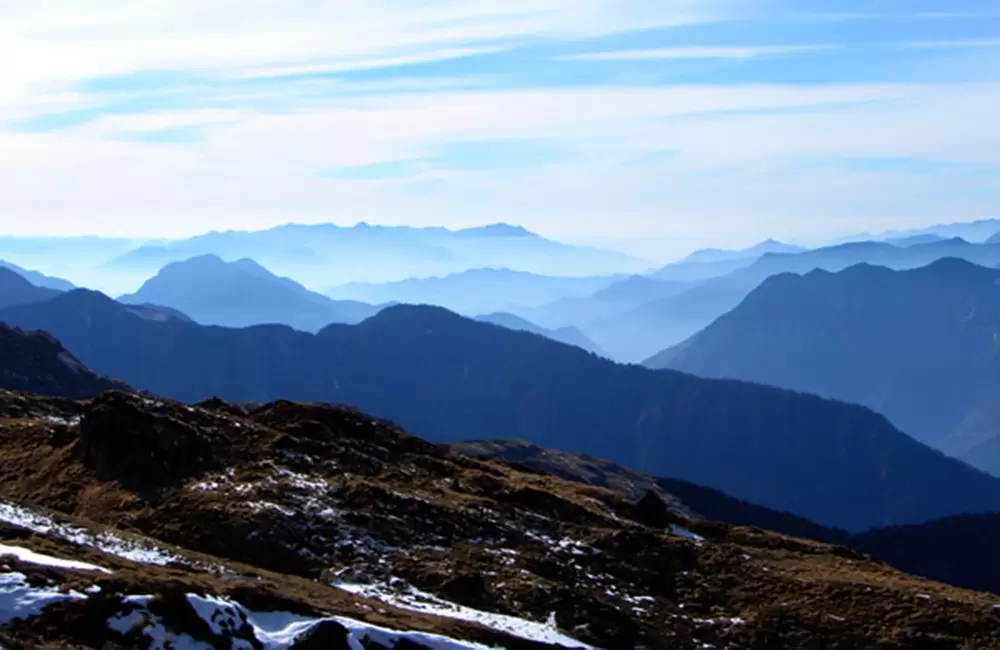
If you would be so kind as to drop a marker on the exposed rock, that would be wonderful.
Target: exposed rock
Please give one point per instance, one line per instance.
(328, 635)
(652, 510)
(125, 439)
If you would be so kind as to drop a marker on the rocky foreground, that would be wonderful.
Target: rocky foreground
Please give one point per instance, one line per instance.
(131, 522)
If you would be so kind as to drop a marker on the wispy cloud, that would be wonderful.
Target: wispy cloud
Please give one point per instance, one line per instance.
(970, 43)
(698, 52)
(72, 39)
(331, 67)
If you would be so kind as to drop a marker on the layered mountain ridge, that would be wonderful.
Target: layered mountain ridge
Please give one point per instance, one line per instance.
(449, 379)
(919, 346)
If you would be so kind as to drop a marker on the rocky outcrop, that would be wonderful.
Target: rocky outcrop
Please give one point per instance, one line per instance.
(129, 439)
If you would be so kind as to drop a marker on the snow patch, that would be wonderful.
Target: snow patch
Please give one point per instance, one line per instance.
(139, 618)
(687, 534)
(31, 557)
(415, 600)
(19, 600)
(73, 421)
(281, 630)
(263, 506)
(106, 542)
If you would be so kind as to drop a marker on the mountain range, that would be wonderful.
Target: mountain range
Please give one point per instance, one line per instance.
(475, 291)
(241, 294)
(710, 255)
(919, 346)
(629, 317)
(795, 491)
(608, 315)
(449, 378)
(975, 231)
(147, 445)
(640, 331)
(328, 255)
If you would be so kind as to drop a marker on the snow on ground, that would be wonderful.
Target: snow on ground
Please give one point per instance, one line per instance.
(684, 532)
(19, 600)
(415, 600)
(151, 626)
(31, 557)
(358, 631)
(107, 542)
(270, 630)
(73, 421)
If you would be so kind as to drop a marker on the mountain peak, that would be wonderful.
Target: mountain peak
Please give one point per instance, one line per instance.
(211, 263)
(497, 230)
(766, 247)
(957, 267)
(415, 316)
(242, 293)
(206, 261)
(951, 241)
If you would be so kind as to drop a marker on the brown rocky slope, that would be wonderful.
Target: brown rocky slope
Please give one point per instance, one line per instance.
(357, 532)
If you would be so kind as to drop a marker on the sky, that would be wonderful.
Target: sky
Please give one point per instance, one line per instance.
(651, 126)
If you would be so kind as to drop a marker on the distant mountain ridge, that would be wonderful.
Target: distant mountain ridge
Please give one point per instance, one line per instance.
(450, 378)
(40, 279)
(717, 287)
(15, 289)
(475, 291)
(326, 255)
(720, 255)
(589, 313)
(241, 294)
(567, 335)
(975, 231)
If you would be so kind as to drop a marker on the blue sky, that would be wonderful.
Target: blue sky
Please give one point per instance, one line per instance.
(649, 126)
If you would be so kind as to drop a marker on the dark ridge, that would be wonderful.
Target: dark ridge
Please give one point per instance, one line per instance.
(15, 289)
(35, 362)
(448, 378)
